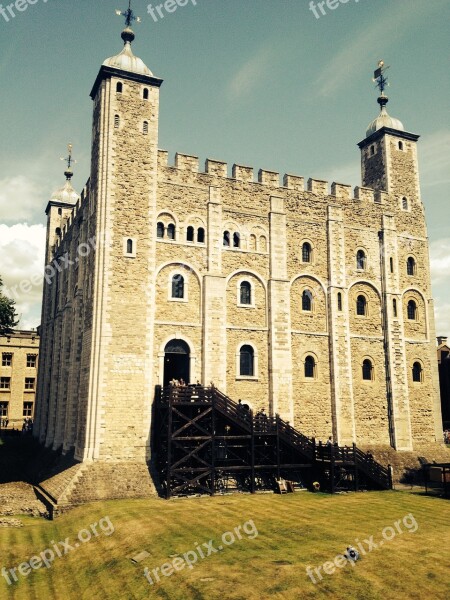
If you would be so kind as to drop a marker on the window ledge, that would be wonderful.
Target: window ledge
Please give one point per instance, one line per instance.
(247, 378)
(246, 305)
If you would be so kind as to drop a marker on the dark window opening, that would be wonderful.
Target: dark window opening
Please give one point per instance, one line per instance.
(307, 301)
(417, 372)
(236, 240)
(360, 260)
(361, 306)
(145, 94)
(411, 266)
(367, 370)
(178, 287)
(160, 230)
(246, 293)
(201, 235)
(119, 88)
(247, 359)
(190, 234)
(310, 365)
(306, 252)
(171, 231)
(412, 310)
(129, 246)
(339, 299)
(226, 239)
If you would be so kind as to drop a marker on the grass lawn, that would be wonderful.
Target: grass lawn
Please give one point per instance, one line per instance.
(293, 532)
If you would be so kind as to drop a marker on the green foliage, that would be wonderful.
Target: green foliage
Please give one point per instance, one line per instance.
(7, 313)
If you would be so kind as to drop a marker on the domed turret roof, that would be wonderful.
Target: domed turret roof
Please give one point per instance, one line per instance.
(384, 120)
(126, 60)
(66, 194)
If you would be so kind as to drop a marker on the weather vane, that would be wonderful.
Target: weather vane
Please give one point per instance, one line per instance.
(380, 78)
(129, 15)
(69, 160)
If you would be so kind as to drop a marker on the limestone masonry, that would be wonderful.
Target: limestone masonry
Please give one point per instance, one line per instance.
(314, 303)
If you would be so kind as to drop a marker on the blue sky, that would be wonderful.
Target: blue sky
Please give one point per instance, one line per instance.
(257, 82)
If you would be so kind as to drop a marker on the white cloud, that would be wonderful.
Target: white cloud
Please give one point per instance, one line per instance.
(251, 73)
(21, 199)
(22, 255)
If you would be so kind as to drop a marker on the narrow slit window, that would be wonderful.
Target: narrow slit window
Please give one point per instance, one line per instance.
(119, 88)
(245, 293)
(339, 300)
(405, 203)
(367, 370)
(310, 367)
(361, 306)
(394, 307)
(145, 128)
(116, 121)
(145, 94)
(129, 246)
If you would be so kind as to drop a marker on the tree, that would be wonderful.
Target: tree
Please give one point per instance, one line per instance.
(7, 313)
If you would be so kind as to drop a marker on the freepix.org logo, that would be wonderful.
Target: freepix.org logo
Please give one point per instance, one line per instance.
(9, 11)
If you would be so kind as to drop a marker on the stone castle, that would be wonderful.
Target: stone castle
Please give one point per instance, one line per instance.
(311, 302)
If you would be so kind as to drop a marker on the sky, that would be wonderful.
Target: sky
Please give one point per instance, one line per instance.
(263, 83)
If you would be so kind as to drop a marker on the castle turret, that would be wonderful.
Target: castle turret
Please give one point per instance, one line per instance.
(59, 208)
(389, 153)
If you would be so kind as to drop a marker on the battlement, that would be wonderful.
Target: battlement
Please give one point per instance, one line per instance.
(216, 168)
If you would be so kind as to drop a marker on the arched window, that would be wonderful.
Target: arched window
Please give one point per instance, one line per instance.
(201, 235)
(262, 243)
(405, 203)
(178, 286)
(367, 370)
(310, 366)
(247, 361)
(145, 128)
(190, 234)
(306, 252)
(245, 293)
(145, 94)
(59, 211)
(400, 145)
(394, 307)
(411, 266)
(129, 246)
(119, 88)
(417, 372)
(391, 264)
(236, 240)
(412, 310)
(226, 239)
(58, 231)
(372, 150)
(252, 242)
(116, 121)
(171, 231)
(361, 306)
(339, 298)
(307, 300)
(361, 260)
(160, 230)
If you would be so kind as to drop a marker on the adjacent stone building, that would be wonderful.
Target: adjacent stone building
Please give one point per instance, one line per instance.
(19, 354)
(310, 300)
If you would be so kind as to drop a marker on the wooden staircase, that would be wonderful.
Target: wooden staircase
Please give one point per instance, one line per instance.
(205, 443)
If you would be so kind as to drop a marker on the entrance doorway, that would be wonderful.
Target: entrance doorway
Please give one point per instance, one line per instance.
(176, 361)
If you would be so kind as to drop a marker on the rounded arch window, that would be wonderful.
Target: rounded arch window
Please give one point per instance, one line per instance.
(226, 239)
(361, 306)
(306, 252)
(245, 293)
(190, 234)
(262, 243)
(307, 301)
(116, 121)
(411, 266)
(367, 370)
(145, 94)
(160, 230)
(405, 203)
(247, 361)
(178, 287)
(412, 310)
(145, 128)
(119, 87)
(129, 246)
(310, 367)
(400, 145)
(417, 372)
(236, 240)
(361, 260)
(171, 231)
(58, 231)
(177, 347)
(201, 235)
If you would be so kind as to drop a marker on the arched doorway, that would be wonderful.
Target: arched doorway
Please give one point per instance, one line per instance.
(176, 361)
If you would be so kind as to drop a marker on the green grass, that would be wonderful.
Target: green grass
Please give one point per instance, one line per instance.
(293, 532)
